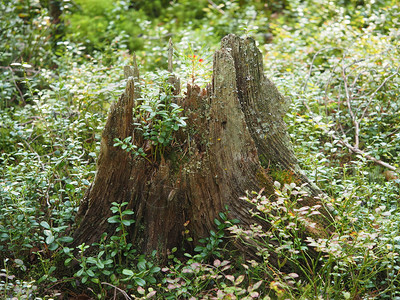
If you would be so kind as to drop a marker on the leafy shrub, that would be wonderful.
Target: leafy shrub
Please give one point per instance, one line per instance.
(25, 30)
(157, 117)
(350, 262)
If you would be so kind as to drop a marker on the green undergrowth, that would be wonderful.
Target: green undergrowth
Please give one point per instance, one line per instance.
(336, 62)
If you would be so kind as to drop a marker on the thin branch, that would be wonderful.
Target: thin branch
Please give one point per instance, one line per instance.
(47, 193)
(120, 290)
(216, 7)
(326, 92)
(354, 62)
(51, 285)
(353, 117)
(376, 91)
(337, 117)
(355, 148)
(347, 145)
(358, 151)
(16, 86)
(328, 83)
(312, 64)
(32, 119)
(353, 85)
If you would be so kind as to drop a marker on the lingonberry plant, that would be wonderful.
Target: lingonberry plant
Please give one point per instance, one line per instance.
(156, 118)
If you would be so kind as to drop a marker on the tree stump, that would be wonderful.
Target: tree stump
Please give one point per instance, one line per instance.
(234, 141)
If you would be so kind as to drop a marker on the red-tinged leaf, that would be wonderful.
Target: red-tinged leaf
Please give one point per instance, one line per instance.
(257, 285)
(239, 280)
(217, 263)
(151, 294)
(141, 290)
(226, 268)
(254, 295)
(225, 262)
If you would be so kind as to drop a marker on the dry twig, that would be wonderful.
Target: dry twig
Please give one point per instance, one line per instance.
(349, 97)
(119, 290)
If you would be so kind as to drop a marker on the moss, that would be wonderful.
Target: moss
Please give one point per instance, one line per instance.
(283, 176)
(263, 179)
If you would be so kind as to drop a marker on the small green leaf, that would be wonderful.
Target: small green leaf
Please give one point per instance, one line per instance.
(128, 272)
(95, 280)
(126, 222)
(19, 262)
(47, 232)
(41, 279)
(65, 239)
(49, 240)
(141, 265)
(155, 269)
(100, 264)
(198, 249)
(139, 281)
(45, 224)
(91, 260)
(222, 216)
(53, 246)
(113, 219)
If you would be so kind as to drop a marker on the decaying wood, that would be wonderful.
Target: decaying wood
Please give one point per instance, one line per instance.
(235, 136)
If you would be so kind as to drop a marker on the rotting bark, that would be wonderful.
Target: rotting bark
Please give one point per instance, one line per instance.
(235, 136)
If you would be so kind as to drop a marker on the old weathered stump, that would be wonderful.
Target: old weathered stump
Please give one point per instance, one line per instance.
(235, 136)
